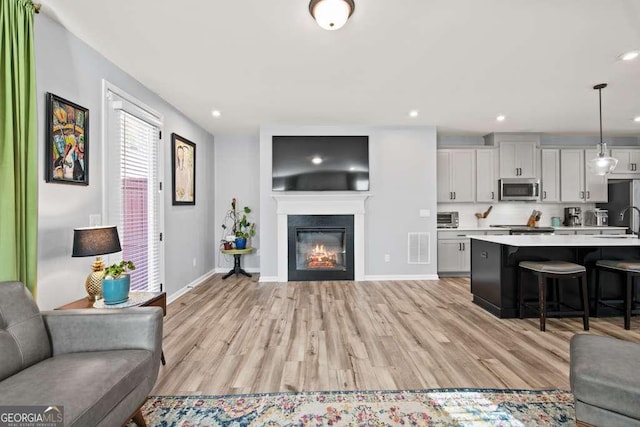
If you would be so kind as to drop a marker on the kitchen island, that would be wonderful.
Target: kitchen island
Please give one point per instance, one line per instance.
(495, 259)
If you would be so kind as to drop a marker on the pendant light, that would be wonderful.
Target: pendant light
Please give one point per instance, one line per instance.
(602, 164)
(331, 14)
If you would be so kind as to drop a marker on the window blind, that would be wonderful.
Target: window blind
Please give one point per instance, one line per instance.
(140, 201)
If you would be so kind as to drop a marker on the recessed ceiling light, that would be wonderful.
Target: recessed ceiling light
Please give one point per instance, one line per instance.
(352, 168)
(501, 118)
(216, 113)
(636, 119)
(414, 113)
(630, 56)
(316, 160)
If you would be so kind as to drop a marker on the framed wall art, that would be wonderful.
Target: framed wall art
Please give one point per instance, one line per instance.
(183, 164)
(67, 142)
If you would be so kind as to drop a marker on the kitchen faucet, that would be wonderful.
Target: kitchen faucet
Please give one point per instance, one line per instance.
(624, 211)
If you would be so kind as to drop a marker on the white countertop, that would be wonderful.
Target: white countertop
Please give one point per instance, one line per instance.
(561, 240)
(585, 228)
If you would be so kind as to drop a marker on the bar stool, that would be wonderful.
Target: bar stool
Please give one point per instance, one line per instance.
(555, 270)
(630, 270)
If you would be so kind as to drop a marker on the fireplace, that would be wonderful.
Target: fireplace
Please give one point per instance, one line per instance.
(320, 247)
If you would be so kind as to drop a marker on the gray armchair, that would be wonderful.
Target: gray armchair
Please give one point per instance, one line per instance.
(100, 365)
(605, 381)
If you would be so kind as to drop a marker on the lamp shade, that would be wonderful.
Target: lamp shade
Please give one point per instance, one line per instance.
(92, 241)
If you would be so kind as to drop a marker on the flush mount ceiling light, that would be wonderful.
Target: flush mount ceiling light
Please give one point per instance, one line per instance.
(331, 14)
(630, 56)
(636, 119)
(414, 113)
(602, 164)
(216, 113)
(316, 160)
(501, 118)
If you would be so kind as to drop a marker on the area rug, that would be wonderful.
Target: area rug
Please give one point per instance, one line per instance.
(438, 407)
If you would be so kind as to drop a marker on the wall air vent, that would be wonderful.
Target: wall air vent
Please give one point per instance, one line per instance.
(419, 248)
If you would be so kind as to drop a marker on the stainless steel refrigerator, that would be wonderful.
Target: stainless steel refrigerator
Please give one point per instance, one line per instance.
(622, 194)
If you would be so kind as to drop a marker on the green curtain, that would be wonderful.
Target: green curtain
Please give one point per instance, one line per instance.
(18, 144)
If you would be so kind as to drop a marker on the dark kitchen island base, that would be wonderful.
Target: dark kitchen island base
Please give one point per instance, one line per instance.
(494, 274)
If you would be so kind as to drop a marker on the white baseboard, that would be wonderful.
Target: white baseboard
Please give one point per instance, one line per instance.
(389, 277)
(200, 280)
(266, 279)
(222, 270)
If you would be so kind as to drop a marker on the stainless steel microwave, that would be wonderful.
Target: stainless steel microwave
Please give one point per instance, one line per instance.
(520, 189)
(448, 219)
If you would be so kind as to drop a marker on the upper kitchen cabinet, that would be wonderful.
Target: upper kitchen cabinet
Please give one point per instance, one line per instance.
(518, 160)
(577, 182)
(572, 168)
(518, 154)
(595, 186)
(456, 175)
(486, 180)
(550, 175)
(628, 161)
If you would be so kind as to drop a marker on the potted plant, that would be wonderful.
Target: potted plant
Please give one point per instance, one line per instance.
(116, 282)
(236, 223)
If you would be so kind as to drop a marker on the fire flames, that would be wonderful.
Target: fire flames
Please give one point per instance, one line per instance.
(320, 257)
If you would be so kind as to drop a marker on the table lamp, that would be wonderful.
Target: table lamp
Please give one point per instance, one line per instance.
(95, 241)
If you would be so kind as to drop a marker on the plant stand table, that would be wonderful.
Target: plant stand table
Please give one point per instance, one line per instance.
(237, 254)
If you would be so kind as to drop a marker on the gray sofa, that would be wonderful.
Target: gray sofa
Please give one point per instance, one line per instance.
(100, 365)
(605, 381)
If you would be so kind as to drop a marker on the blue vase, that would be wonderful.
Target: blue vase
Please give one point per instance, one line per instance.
(115, 291)
(241, 243)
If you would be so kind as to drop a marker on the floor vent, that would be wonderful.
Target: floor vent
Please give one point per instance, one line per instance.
(419, 248)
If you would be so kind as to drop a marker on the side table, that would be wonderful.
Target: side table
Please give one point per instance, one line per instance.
(237, 254)
(154, 299)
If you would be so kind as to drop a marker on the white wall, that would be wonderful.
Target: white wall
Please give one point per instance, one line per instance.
(402, 181)
(67, 67)
(237, 175)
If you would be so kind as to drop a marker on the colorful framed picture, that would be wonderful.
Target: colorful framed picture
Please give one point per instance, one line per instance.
(183, 165)
(67, 142)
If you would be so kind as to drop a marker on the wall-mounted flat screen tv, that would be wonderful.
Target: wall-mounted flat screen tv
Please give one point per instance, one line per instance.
(320, 163)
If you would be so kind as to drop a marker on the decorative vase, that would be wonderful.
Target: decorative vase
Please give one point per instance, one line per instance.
(227, 246)
(241, 243)
(116, 291)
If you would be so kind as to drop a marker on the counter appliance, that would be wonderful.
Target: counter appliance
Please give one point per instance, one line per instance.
(448, 219)
(596, 217)
(573, 217)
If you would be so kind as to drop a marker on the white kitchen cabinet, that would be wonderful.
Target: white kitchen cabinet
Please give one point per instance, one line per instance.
(572, 175)
(628, 161)
(596, 189)
(454, 256)
(456, 175)
(550, 175)
(486, 180)
(518, 160)
(577, 182)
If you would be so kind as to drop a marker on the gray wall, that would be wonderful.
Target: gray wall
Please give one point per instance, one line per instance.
(238, 175)
(403, 181)
(67, 67)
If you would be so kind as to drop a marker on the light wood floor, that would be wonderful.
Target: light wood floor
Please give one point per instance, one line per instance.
(241, 336)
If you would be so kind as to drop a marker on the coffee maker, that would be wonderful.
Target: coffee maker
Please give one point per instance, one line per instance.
(573, 217)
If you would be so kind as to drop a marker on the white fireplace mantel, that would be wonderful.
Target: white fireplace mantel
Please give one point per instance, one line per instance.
(321, 204)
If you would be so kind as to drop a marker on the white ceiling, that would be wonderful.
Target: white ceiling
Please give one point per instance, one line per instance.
(459, 62)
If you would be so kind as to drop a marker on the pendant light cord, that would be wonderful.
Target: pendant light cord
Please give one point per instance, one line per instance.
(600, 103)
